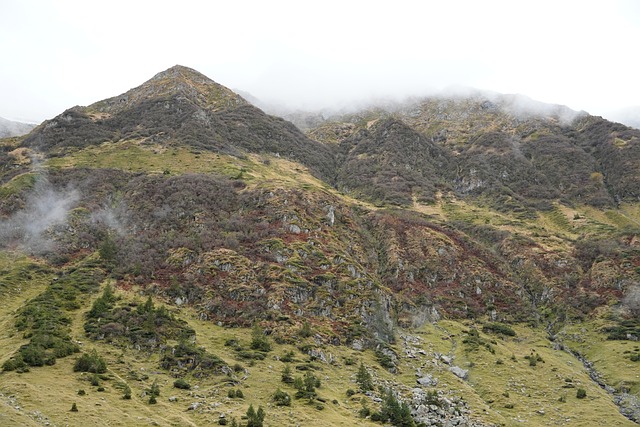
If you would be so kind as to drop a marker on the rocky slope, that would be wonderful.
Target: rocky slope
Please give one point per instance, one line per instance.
(513, 150)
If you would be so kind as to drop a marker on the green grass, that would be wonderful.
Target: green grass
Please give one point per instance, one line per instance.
(557, 219)
(508, 393)
(133, 156)
(519, 392)
(19, 274)
(611, 358)
(21, 279)
(606, 222)
(18, 184)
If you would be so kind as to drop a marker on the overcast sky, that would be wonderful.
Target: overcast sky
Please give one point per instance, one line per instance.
(583, 54)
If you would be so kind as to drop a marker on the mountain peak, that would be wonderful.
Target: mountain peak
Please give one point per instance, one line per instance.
(180, 73)
(179, 82)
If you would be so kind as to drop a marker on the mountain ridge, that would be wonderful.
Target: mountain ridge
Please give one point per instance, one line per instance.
(10, 128)
(180, 106)
(179, 103)
(175, 81)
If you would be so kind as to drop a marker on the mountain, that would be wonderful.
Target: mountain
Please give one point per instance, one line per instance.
(11, 128)
(180, 106)
(509, 147)
(468, 260)
(629, 116)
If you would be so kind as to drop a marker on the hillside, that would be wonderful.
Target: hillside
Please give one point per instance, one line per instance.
(629, 116)
(519, 153)
(476, 257)
(179, 106)
(12, 128)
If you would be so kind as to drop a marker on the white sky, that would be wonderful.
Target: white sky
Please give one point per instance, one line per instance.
(583, 54)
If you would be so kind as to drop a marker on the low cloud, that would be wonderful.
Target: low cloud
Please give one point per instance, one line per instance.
(110, 219)
(45, 210)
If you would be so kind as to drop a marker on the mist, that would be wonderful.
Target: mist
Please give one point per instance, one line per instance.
(308, 57)
(109, 218)
(520, 107)
(46, 209)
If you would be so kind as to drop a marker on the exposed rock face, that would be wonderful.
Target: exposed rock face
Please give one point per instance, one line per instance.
(428, 381)
(440, 410)
(463, 374)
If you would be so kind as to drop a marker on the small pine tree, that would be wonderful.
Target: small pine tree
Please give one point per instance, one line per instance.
(108, 250)
(95, 381)
(311, 382)
(255, 418)
(126, 392)
(103, 304)
(286, 375)
(74, 407)
(399, 414)
(90, 362)
(364, 379)
(581, 393)
(154, 392)
(155, 388)
(259, 341)
(147, 307)
(305, 331)
(107, 294)
(364, 412)
(260, 416)
(281, 398)
(251, 415)
(405, 419)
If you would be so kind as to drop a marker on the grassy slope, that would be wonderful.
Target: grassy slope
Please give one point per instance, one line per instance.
(136, 156)
(521, 393)
(610, 357)
(534, 392)
(14, 292)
